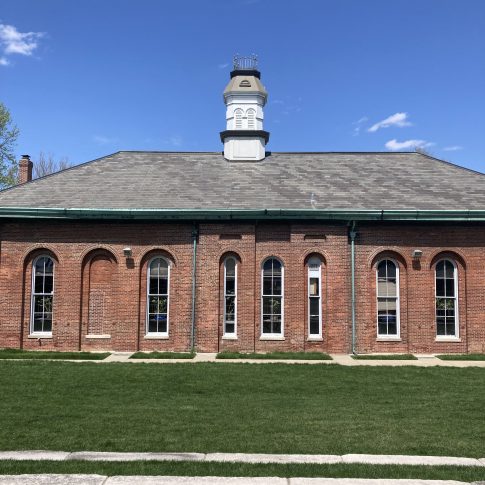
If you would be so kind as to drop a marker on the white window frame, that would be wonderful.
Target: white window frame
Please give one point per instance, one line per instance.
(315, 274)
(33, 294)
(397, 335)
(231, 335)
(456, 336)
(273, 336)
(148, 294)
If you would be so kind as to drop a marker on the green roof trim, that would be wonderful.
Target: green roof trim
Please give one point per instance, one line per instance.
(242, 214)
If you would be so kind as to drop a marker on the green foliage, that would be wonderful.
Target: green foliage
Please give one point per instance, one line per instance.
(275, 355)
(461, 357)
(230, 407)
(195, 469)
(384, 357)
(46, 354)
(8, 138)
(163, 355)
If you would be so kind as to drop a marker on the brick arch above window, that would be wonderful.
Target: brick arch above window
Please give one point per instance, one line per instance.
(230, 254)
(39, 250)
(391, 254)
(158, 252)
(451, 255)
(314, 254)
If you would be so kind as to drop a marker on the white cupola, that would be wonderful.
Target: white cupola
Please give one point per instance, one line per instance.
(245, 97)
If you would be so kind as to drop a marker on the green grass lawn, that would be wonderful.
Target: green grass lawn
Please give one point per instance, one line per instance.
(162, 355)
(465, 474)
(384, 357)
(274, 408)
(461, 357)
(46, 354)
(275, 355)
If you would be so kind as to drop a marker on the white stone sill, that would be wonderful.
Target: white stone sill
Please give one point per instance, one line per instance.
(40, 335)
(388, 339)
(229, 337)
(314, 339)
(156, 337)
(94, 337)
(272, 337)
(447, 339)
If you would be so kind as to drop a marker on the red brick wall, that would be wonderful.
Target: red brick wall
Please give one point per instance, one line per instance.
(88, 254)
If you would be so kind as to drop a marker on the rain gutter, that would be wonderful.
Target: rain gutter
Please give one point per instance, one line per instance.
(241, 214)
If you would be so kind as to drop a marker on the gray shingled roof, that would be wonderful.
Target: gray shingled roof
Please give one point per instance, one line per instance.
(160, 180)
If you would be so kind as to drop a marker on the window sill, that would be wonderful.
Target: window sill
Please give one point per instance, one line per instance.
(314, 339)
(447, 339)
(94, 336)
(229, 337)
(40, 335)
(272, 337)
(388, 339)
(156, 337)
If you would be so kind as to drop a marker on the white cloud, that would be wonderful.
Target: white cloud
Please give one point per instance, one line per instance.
(397, 119)
(358, 125)
(453, 148)
(4, 61)
(395, 145)
(15, 42)
(104, 140)
(223, 66)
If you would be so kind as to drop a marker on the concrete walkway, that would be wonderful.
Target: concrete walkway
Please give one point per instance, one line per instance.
(242, 458)
(340, 359)
(171, 480)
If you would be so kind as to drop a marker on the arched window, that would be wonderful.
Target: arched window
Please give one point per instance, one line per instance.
(272, 298)
(158, 296)
(314, 297)
(446, 299)
(230, 297)
(42, 295)
(251, 115)
(238, 115)
(387, 299)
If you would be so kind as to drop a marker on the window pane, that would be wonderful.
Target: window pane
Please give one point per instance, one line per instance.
(268, 267)
(441, 329)
(267, 285)
(391, 269)
(314, 286)
(276, 324)
(440, 287)
(266, 324)
(48, 284)
(277, 286)
(381, 270)
(450, 287)
(230, 327)
(230, 286)
(276, 267)
(153, 286)
(314, 325)
(230, 308)
(449, 269)
(230, 267)
(38, 284)
(315, 306)
(440, 269)
(163, 286)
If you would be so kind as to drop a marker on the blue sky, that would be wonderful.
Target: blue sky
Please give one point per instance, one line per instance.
(88, 78)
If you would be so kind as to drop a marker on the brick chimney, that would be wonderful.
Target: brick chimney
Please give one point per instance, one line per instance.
(25, 169)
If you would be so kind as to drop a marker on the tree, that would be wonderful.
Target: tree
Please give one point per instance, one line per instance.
(47, 164)
(8, 138)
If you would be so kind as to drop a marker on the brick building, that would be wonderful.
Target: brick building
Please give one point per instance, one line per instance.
(245, 250)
